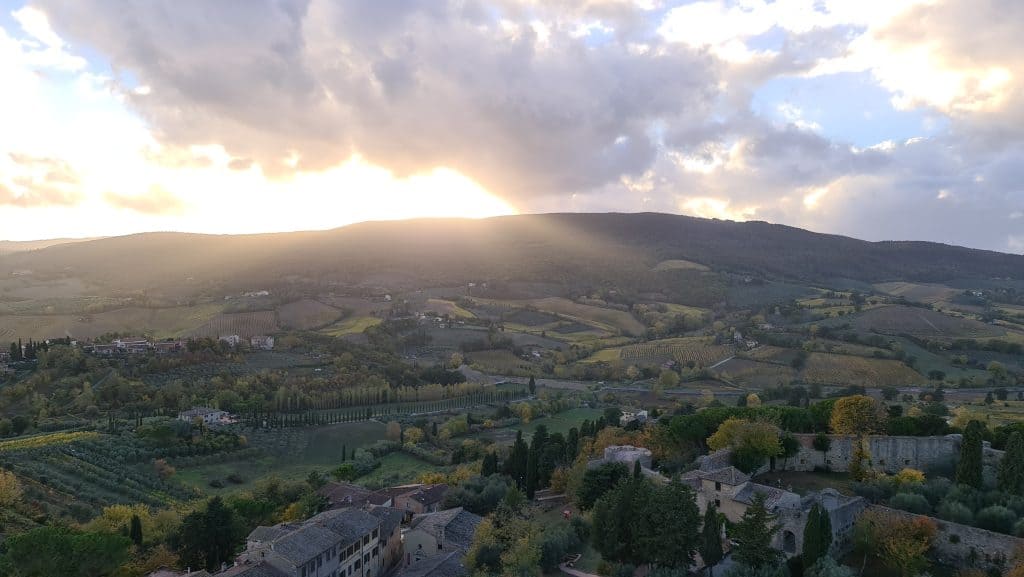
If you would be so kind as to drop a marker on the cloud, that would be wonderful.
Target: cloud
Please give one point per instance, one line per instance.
(28, 181)
(155, 201)
(577, 104)
(409, 85)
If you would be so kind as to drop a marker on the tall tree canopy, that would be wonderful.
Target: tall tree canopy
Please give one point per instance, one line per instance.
(753, 536)
(817, 535)
(1011, 468)
(968, 470)
(858, 415)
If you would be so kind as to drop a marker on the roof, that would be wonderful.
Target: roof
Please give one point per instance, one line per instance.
(773, 495)
(260, 569)
(304, 543)
(165, 572)
(390, 518)
(343, 494)
(381, 496)
(448, 565)
(456, 526)
(348, 524)
(263, 534)
(432, 494)
(729, 475)
(199, 411)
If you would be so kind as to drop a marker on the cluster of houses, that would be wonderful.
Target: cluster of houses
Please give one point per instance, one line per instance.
(134, 346)
(400, 532)
(256, 342)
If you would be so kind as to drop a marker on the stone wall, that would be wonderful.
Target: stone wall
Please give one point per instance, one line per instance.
(954, 543)
(628, 455)
(889, 454)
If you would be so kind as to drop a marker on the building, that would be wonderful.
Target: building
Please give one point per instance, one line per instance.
(262, 343)
(439, 533)
(208, 415)
(732, 492)
(425, 499)
(232, 340)
(632, 416)
(447, 565)
(341, 495)
(131, 346)
(391, 543)
(627, 455)
(335, 543)
(167, 347)
(165, 572)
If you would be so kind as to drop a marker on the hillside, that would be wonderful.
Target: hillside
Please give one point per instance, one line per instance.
(552, 248)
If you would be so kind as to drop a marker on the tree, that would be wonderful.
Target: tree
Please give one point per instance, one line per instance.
(1010, 477)
(135, 532)
(394, 431)
(752, 443)
(817, 535)
(598, 481)
(889, 393)
(668, 379)
(823, 443)
(711, 539)
(858, 415)
(969, 468)
(671, 536)
(56, 551)
(827, 567)
(753, 535)
(489, 466)
(753, 400)
(10, 489)
(533, 385)
(899, 542)
(208, 537)
(790, 447)
(516, 465)
(413, 435)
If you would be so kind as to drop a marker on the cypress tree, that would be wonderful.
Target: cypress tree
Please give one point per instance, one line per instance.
(532, 474)
(572, 445)
(1011, 469)
(711, 539)
(637, 472)
(516, 464)
(817, 535)
(135, 532)
(754, 536)
(968, 470)
(490, 465)
(533, 385)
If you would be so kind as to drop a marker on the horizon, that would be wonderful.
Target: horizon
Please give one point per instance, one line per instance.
(315, 115)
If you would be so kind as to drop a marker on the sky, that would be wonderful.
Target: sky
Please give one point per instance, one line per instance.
(878, 119)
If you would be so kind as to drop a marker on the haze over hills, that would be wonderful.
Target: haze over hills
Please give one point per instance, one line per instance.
(12, 246)
(547, 247)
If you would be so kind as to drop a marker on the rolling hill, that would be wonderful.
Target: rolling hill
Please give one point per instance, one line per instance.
(623, 249)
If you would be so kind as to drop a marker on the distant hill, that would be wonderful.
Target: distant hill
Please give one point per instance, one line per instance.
(621, 249)
(13, 246)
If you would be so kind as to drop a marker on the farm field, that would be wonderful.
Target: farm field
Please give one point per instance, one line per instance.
(829, 369)
(922, 323)
(447, 307)
(156, 322)
(679, 264)
(242, 324)
(350, 326)
(307, 314)
(606, 319)
(700, 350)
(925, 293)
(998, 413)
(500, 362)
(771, 354)
(751, 374)
(928, 361)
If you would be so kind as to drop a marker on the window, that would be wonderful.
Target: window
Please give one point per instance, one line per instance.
(439, 546)
(718, 502)
(303, 571)
(718, 486)
(376, 533)
(366, 540)
(359, 563)
(366, 558)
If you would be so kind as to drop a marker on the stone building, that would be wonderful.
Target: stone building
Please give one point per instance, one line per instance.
(733, 492)
(439, 533)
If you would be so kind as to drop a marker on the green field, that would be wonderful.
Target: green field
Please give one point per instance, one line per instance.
(286, 453)
(396, 469)
(351, 326)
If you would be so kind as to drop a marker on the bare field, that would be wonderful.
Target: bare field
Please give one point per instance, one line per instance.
(157, 322)
(601, 318)
(241, 324)
(923, 323)
(753, 374)
(829, 369)
(700, 350)
(307, 314)
(925, 293)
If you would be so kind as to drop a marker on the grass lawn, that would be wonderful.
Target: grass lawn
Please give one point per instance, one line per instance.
(350, 326)
(396, 469)
(560, 423)
(801, 482)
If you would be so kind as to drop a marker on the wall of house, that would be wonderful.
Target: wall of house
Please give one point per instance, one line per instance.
(419, 541)
(889, 454)
(954, 543)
